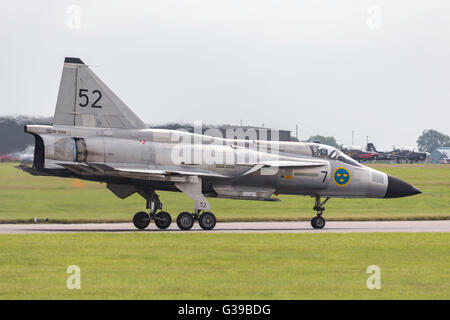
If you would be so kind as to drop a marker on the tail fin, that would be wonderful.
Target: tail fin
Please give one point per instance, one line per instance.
(84, 100)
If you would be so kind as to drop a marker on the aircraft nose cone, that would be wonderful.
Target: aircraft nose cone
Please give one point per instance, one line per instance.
(398, 188)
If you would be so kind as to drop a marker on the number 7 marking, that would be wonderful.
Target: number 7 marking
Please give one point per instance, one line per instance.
(326, 173)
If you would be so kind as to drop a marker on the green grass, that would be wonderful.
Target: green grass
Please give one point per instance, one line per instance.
(23, 196)
(225, 266)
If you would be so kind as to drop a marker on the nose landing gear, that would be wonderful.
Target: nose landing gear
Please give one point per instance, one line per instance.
(318, 222)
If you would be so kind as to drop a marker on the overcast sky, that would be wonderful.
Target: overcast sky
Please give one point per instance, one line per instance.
(381, 68)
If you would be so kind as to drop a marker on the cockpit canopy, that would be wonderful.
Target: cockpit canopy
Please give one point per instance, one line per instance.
(327, 152)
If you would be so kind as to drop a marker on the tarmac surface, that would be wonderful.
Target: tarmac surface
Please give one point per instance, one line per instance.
(240, 227)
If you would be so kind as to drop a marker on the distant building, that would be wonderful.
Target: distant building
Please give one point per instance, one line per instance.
(254, 133)
(440, 155)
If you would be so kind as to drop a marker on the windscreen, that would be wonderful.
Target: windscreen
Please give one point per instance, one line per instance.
(328, 152)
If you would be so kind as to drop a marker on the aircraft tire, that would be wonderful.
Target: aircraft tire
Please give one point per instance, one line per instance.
(185, 221)
(163, 220)
(207, 221)
(318, 222)
(141, 220)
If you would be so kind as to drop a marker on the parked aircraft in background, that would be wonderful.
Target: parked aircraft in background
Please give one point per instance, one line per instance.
(401, 154)
(357, 153)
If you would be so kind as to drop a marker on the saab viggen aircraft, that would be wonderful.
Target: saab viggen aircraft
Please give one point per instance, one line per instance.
(96, 137)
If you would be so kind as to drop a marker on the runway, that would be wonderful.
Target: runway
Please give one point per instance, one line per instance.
(239, 227)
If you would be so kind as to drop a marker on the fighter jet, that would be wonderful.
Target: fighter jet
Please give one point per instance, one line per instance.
(96, 137)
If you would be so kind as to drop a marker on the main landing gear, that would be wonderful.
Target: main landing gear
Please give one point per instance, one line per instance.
(185, 220)
(318, 222)
(206, 220)
(142, 219)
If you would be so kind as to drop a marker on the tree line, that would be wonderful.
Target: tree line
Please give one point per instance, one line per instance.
(428, 141)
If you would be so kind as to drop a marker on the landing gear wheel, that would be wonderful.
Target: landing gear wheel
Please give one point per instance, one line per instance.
(163, 220)
(185, 221)
(207, 221)
(141, 220)
(318, 222)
